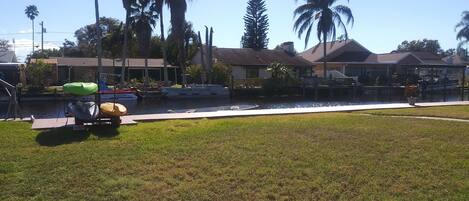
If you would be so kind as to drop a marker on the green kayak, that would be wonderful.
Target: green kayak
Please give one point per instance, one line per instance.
(81, 88)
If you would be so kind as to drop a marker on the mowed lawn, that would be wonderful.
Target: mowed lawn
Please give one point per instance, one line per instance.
(339, 156)
(458, 112)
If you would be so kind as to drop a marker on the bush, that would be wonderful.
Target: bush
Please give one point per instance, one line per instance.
(280, 80)
(195, 74)
(220, 74)
(39, 74)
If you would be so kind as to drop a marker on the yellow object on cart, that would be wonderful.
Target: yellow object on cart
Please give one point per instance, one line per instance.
(113, 109)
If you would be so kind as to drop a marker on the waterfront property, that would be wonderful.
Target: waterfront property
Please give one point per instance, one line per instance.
(69, 69)
(249, 66)
(353, 59)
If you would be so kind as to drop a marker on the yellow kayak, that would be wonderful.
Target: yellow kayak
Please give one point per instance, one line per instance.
(113, 109)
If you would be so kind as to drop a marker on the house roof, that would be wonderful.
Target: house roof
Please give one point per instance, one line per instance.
(456, 59)
(252, 57)
(333, 49)
(7, 57)
(92, 62)
(429, 58)
(392, 58)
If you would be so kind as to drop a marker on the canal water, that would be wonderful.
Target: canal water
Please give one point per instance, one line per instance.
(53, 109)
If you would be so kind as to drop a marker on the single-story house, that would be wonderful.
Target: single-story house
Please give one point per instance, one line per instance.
(9, 67)
(352, 59)
(71, 69)
(252, 64)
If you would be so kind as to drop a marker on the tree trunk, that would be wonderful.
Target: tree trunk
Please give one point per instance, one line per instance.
(325, 55)
(178, 9)
(202, 59)
(210, 56)
(33, 36)
(124, 49)
(163, 47)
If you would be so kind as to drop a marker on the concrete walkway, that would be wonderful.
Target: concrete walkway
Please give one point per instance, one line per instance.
(132, 119)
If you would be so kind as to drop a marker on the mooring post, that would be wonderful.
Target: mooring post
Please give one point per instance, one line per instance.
(463, 84)
(432, 83)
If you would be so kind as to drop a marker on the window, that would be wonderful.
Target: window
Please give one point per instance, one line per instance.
(252, 73)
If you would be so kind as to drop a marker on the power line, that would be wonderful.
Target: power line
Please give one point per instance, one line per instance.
(24, 33)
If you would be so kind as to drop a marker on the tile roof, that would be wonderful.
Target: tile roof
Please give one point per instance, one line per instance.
(390, 58)
(333, 49)
(251, 57)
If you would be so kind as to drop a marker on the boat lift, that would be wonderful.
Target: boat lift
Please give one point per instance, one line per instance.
(13, 105)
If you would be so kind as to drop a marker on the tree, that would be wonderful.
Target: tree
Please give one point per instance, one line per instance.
(128, 10)
(327, 16)
(463, 33)
(256, 26)
(158, 6)
(178, 10)
(4, 45)
(111, 33)
(70, 49)
(45, 54)
(143, 20)
(424, 45)
(32, 12)
(190, 44)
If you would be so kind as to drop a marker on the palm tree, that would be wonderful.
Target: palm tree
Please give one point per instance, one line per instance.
(463, 33)
(178, 10)
(32, 12)
(158, 6)
(143, 20)
(326, 16)
(128, 9)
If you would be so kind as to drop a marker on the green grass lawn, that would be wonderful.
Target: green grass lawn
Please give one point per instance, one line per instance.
(336, 156)
(459, 112)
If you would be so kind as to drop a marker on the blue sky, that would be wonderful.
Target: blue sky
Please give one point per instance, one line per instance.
(380, 25)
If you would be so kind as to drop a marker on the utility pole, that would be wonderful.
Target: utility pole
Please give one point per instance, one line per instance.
(42, 36)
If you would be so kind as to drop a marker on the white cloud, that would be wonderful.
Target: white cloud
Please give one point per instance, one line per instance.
(25, 31)
(23, 47)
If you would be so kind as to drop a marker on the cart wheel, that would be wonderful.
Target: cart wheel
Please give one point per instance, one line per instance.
(116, 122)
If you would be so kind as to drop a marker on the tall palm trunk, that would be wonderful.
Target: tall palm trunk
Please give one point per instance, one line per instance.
(163, 48)
(325, 56)
(178, 10)
(32, 21)
(124, 49)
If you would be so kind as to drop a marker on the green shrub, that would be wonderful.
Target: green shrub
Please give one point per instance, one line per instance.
(280, 80)
(220, 74)
(40, 74)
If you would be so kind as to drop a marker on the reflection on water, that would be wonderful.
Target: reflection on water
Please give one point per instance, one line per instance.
(53, 109)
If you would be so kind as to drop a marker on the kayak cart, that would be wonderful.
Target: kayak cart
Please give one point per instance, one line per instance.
(91, 112)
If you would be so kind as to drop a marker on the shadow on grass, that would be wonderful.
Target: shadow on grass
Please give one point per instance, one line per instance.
(62, 136)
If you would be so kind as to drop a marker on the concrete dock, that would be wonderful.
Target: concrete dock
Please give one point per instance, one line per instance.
(40, 124)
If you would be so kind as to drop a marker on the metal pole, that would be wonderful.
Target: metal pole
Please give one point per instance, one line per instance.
(463, 85)
(444, 85)
(99, 51)
(42, 36)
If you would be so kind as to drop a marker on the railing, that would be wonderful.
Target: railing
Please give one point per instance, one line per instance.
(13, 106)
